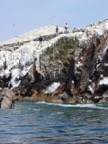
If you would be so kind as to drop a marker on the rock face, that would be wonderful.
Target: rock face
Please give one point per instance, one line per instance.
(70, 67)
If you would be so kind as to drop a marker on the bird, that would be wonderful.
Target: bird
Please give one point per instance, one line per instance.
(51, 17)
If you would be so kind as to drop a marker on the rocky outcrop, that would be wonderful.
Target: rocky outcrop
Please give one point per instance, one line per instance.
(7, 103)
(6, 98)
(65, 68)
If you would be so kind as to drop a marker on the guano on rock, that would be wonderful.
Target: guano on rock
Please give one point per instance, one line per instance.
(68, 67)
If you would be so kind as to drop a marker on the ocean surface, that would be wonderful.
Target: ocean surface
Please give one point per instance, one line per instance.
(51, 123)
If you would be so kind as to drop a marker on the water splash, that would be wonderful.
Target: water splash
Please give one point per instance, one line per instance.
(91, 106)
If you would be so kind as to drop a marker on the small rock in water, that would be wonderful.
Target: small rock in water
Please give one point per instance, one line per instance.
(6, 103)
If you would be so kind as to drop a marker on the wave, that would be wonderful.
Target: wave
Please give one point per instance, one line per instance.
(92, 106)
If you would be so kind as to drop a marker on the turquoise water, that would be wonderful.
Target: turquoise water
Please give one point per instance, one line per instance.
(44, 123)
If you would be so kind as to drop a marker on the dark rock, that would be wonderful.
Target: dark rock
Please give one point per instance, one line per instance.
(64, 96)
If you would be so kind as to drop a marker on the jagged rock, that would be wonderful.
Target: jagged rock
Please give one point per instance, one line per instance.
(7, 97)
(64, 97)
(79, 67)
(52, 88)
(105, 95)
(7, 102)
(59, 90)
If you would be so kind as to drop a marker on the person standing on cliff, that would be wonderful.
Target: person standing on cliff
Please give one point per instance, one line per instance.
(40, 41)
(57, 30)
(66, 28)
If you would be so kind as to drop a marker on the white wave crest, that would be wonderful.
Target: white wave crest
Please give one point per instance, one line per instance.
(92, 106)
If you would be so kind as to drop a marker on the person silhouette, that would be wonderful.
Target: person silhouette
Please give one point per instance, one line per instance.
(57, 30)
(66, 28)
(40, 41)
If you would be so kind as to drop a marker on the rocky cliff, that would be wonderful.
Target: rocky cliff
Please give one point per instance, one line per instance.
(68, 67)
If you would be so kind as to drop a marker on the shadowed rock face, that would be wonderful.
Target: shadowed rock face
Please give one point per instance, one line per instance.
(93, 67)
(88, 77)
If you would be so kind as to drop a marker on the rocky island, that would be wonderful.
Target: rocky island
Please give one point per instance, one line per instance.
(65, 68)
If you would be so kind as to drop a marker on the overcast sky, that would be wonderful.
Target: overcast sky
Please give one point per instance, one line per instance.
(20, 16)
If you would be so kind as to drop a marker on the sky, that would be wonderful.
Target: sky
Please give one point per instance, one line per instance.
(20, 16)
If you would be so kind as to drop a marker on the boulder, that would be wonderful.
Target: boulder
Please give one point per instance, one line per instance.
(7, 102)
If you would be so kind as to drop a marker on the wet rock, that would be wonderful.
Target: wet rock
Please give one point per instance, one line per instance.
(7, 102)
(64, 96)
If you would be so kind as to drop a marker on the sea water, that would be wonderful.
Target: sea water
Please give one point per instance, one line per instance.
(51, 123)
